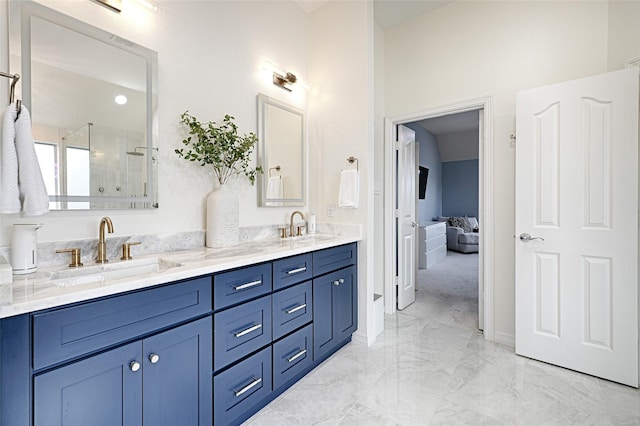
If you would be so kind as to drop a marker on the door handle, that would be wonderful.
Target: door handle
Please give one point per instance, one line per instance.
(413, 224)
(527, 237)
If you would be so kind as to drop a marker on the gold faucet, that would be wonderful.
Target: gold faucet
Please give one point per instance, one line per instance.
(291, 234)
(102, 245)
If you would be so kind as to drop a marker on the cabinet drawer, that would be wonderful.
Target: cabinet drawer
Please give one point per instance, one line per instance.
(435, 229)
(230, 288)
(292, 308)
(292, 355)
(242, 386)
(334, 258)
(67, 333)
(241, 330)
(291, 270)
(437, 241)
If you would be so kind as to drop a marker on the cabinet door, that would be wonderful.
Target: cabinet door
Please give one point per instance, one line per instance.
(177, 376)
(323, 330)
(345, 303)
(100, 391)
(335, 313)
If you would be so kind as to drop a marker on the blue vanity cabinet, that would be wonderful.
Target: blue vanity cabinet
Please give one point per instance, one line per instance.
(208, 350)
(138, 358)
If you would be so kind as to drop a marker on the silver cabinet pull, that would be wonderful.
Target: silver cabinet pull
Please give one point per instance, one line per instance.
(295, 271)
(154, 358)
(341, 280)
(527, 237)
(248, 330)
(247, 285)
(297, 308)
(134, 366)
(296, 356)
(248, 387)
(336, 282)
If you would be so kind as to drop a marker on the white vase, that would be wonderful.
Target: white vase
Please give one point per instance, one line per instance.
(222, 218)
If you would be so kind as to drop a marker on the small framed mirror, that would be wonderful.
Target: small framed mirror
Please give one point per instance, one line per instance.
(92, 98)
(281, 153)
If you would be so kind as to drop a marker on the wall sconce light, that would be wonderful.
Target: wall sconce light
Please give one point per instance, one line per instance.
(285, 81)
(113, 5)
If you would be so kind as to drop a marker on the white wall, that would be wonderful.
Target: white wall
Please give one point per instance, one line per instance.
(340, 116)
(210, 55)
(472, 49)
(378, 183)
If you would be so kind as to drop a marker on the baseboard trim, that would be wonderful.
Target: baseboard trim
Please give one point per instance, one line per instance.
(504, 338)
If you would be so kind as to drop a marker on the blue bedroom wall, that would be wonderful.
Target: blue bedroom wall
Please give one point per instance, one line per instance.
(429, 153)
(460, 188)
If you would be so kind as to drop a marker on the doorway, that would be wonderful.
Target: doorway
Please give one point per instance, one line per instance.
(448, 232)
(485, 213)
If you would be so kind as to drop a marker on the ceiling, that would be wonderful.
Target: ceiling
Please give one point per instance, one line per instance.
(453, 123)
(388, 13)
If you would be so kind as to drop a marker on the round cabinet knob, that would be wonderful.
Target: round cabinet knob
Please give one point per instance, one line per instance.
(154, 358)
(134, 366)
(341, 280)
(336, 282)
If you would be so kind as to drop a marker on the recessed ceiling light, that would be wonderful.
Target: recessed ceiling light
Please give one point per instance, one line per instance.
(121, 99)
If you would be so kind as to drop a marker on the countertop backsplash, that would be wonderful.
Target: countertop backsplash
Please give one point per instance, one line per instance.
(159, 243)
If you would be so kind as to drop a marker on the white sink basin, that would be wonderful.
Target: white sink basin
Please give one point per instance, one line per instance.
(110, 271)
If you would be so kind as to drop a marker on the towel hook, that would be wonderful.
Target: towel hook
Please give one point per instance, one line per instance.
(351, 160)
(12, 91)
(276, 168)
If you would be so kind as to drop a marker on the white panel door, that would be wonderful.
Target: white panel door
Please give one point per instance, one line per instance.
(577, 225)
(407, 229)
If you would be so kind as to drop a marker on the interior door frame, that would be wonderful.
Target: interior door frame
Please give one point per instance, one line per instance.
(485, 207)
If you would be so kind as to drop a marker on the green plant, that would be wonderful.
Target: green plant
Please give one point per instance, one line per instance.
(220, 146)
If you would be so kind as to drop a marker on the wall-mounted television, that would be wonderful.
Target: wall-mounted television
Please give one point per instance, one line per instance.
(423, 175)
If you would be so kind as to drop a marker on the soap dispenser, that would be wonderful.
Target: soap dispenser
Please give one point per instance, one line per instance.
(24, 248)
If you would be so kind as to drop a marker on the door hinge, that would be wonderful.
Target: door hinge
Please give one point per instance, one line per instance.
(396, 280)
(396, 145)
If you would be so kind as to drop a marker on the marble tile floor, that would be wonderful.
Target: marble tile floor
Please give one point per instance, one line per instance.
(431, 366)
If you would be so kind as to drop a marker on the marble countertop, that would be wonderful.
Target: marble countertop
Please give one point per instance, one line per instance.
(49, 288)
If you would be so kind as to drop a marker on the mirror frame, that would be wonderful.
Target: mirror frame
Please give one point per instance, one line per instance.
(27, 9)
(263, 178)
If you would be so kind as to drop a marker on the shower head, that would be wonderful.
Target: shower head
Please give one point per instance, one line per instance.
(135, 151)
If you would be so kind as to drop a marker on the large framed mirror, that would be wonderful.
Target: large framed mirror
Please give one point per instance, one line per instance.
(281, 153)
(92, 96)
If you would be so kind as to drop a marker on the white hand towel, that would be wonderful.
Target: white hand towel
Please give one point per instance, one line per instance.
(349, 194)
(9, 192)
(274, 187)
(275, 191)
(33, 197)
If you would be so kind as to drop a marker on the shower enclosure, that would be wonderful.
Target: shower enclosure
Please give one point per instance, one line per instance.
(105, 161)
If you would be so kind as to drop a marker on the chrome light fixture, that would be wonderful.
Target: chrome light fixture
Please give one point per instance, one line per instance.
(285, 81)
